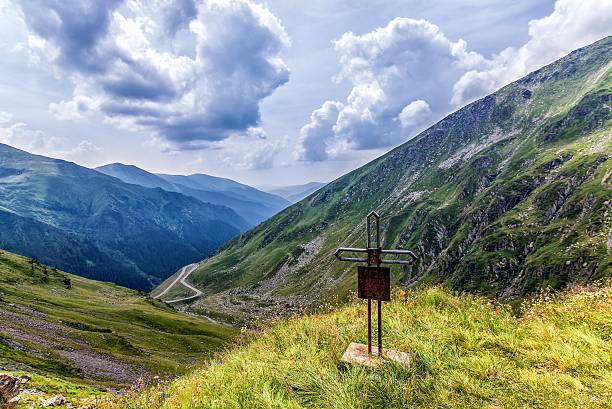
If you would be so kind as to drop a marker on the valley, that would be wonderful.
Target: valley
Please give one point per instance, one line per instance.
(82, 337)
(121, 287)
(183, 275)
(85, 222)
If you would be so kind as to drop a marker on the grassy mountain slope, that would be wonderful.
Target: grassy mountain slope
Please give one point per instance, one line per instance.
(251, 204)
(94, 225)
(92, 333)
(507, 195)
(465, 353)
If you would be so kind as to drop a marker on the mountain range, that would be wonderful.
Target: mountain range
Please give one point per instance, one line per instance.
(509, 197)
(85, 222)
(506, 196)
(251, 204)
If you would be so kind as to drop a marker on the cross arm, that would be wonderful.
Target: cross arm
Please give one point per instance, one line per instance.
(351, 250)
(401, 253)
(340, 250)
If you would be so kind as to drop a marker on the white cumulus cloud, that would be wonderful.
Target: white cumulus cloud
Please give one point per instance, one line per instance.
(315, 136)
(415, 113)
(20, 135)
(202, 83)
(250, 151)
(402, 75)
(571, 25)
(5, 117)
(409, 74)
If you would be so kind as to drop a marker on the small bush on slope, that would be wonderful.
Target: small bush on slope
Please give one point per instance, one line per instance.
(465, 353)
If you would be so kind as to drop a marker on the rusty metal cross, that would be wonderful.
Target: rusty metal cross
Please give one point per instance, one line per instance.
(373, 281)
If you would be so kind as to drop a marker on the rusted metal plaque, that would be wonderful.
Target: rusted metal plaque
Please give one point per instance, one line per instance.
(374, 283)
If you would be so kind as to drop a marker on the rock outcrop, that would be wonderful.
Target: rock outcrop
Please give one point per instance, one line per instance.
(9, 390)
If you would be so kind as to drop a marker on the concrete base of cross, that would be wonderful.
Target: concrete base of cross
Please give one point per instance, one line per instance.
(358, 354)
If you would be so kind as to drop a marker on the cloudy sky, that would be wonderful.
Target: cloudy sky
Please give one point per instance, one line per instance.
(268, 93)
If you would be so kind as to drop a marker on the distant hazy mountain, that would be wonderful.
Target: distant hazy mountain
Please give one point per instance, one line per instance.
(295, 193)
(251, 204)
(94, 225)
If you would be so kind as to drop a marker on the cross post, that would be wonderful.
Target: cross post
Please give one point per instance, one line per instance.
(373, 281)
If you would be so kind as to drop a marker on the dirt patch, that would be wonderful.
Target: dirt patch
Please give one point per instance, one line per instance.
(98, 366)
(471, 150)
(28, 321)
(261, 302)
(292, 266)
(48, 340)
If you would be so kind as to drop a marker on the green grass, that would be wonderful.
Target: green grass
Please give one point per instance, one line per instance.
(43, 320)
(46, 387)
(465, 353)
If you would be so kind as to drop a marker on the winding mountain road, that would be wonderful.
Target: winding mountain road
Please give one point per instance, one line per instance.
(182, 278)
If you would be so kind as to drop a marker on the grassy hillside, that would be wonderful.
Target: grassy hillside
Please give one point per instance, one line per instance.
(509, 194)
(86, 332)
(465, 353)
(87, 223)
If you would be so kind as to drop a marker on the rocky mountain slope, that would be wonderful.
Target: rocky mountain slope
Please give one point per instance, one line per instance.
(87, 332)
(251, 204)
(96, 226)
(505, 196)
